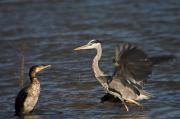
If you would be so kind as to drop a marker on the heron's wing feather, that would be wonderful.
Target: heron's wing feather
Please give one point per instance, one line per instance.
(132, 62)
(124, 87)
(22, 95)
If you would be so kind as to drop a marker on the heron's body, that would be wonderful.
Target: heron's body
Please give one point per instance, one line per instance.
(132, 67)
(113, 85)
(28, 96)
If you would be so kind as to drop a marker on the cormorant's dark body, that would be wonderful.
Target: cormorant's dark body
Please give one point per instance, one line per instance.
(28, 96)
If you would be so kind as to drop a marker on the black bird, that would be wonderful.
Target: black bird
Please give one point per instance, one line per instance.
(132, 67)
(28, 96)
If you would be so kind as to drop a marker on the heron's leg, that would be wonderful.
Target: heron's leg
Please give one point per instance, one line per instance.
(126, 107)
(122, 100)
(135, 102)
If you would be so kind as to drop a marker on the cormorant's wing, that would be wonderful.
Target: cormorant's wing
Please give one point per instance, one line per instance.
(132, 64)
(22, 95)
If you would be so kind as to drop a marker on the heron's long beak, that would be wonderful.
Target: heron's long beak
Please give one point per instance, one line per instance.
(43, 67)
(82, 47)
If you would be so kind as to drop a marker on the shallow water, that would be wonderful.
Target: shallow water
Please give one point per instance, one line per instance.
(49, 31)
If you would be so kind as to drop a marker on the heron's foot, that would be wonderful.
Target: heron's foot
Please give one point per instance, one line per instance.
(141, 107)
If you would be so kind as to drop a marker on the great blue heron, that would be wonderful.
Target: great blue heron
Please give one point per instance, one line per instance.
(28, 96)
(132, 67)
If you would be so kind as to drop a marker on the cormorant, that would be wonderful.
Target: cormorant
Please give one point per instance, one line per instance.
(28, 96)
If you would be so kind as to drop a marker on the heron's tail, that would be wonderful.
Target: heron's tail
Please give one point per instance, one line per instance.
(160, 59)
(144, 95)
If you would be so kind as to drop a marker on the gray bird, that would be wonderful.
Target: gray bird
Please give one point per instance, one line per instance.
(28, 96)
(132, 67)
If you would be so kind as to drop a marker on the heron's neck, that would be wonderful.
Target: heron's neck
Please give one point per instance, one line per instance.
(97, 71)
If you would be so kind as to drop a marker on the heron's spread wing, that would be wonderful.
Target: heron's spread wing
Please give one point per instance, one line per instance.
(20, 99)
(132, 64)
(126, 90)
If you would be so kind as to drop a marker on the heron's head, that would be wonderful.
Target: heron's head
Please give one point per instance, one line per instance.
(38, 68)
(90, 45)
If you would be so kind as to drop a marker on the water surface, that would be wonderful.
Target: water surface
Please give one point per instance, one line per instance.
(49, 30)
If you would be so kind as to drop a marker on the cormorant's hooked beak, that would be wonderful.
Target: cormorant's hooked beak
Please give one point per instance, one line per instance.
(42, 67)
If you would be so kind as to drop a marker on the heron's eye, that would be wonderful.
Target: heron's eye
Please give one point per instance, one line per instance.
(91, 42)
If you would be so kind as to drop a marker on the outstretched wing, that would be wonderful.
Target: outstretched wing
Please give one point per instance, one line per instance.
(132, 69)
(132, 64)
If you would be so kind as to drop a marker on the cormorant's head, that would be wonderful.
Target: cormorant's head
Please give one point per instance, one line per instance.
(90, 45)
(38, 68)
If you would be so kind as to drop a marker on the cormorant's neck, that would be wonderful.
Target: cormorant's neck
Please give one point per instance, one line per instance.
(97, 71)
(32, 75)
